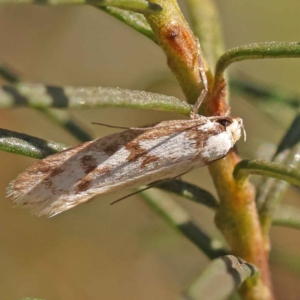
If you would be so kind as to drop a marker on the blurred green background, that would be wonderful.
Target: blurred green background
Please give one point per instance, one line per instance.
(125, 251)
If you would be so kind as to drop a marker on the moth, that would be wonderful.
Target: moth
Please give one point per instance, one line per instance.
(128, 159)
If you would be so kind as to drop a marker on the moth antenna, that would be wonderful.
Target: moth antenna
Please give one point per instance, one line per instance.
(204, 81)
(153, 184)
(110, 126)
(121, 127)
(140, 128)
(129, 195)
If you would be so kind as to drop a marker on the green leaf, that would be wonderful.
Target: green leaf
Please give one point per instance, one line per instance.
(27, 145)
(128, 12)
(266, 168)
(61, 118)
(41, 96)
(270, 191)
(141, 6)
(179, 218)
(255, 51)
(134, 20)
(189, 191)
(220, 279)
(258, 51)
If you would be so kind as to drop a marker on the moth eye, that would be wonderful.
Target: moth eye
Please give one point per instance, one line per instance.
(224, 122)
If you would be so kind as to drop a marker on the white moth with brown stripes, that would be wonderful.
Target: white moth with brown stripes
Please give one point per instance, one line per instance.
(135, 157)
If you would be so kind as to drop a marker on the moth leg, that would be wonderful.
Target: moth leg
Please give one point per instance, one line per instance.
(193, 113)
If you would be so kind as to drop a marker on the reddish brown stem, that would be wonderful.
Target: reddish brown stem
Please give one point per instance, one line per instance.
(237, 218)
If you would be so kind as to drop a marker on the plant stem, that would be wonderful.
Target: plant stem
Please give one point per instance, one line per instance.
(237, 218)
(180, 46)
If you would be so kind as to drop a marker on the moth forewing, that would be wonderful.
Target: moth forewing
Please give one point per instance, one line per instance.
(123, 160)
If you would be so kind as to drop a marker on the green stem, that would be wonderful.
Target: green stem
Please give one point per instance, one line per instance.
(260, 167)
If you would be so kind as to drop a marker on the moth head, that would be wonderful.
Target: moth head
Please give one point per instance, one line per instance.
(235, 126)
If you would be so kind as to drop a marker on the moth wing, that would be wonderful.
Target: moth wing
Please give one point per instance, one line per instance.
(61, 181)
